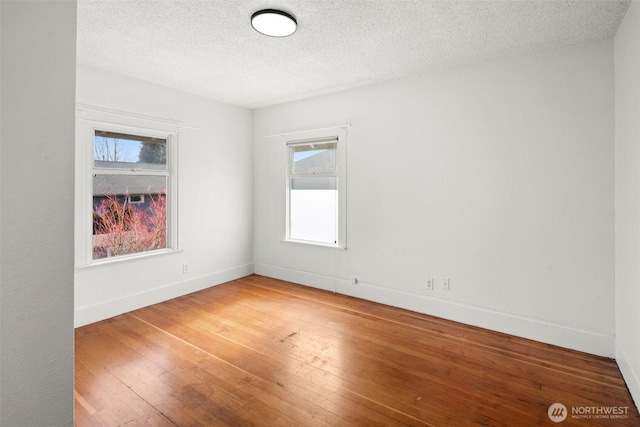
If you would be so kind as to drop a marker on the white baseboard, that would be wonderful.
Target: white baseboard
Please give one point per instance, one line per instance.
(629, 374)
(534, 329)
(107, 309)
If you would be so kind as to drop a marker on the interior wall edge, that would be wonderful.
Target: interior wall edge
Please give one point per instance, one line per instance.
(559, 335)
(107, 309)
(632, 379)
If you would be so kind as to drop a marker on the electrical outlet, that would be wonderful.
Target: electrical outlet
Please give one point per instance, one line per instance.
(429, 284)
(446, 284)
(185, 268)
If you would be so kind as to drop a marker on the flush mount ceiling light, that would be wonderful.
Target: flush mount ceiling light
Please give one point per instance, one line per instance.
(273, 23)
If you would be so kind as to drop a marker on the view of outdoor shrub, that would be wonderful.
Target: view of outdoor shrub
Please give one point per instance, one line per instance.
(121, 228)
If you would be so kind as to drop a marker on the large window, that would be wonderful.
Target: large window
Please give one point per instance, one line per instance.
(316, 188)
(129, 203)
(126, 185)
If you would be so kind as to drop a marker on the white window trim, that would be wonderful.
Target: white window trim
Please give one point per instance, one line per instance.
(340, 134)
(89, 120)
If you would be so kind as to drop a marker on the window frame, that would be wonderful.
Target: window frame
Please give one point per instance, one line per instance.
(88, 123)
(339, 135)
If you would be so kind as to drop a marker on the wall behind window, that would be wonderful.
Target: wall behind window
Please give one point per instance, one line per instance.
(498, 176)
(215, 188)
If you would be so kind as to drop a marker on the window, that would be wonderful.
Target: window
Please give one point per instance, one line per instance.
(135, 199)
(126, 182)
(316, 189)
(130, 191)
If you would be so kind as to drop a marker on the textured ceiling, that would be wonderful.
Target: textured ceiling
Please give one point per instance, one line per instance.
(208, 47)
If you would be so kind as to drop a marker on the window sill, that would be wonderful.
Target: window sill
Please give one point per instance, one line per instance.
(312, 243)
(111, 261)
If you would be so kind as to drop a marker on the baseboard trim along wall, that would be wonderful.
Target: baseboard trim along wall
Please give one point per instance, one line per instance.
(586, 341)
(94, 313)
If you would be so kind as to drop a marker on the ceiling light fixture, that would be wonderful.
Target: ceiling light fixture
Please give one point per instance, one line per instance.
(274, 23)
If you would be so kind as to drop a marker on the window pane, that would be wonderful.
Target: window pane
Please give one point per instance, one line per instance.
(128, 185)
(129, 214)
(121, 151)
(315, 183)
(314, 158)
(313, 208)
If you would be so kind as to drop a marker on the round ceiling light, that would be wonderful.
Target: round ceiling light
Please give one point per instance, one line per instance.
(274, 23)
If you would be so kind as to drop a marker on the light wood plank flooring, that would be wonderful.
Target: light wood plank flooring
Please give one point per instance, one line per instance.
(262, 352)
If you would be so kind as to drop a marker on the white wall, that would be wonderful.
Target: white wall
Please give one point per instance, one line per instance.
(37, 84)
(499, 176)
(627, 199)
(215, 192)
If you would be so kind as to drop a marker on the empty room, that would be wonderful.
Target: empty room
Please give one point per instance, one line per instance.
(309, 213)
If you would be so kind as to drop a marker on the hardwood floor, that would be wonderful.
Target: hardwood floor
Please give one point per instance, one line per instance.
(262, 352)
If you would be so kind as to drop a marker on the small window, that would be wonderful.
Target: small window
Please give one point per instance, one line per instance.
(136, 199)
(316, 190)
(130, 194)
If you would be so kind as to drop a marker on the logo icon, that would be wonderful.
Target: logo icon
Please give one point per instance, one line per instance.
(557, 412)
